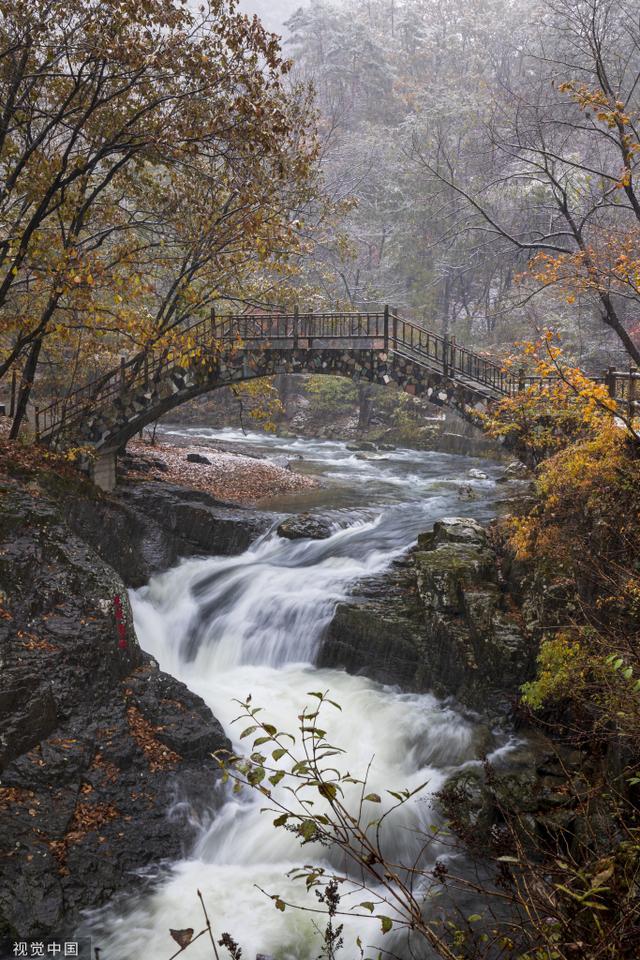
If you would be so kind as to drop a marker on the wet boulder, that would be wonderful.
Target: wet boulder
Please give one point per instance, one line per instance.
(515, 471)
(363, 445)
(304, 526)
(453, 530)
(439, 621)
(198, 458)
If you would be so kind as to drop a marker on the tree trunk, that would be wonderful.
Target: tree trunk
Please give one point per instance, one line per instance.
(365, 405)
(26, 384)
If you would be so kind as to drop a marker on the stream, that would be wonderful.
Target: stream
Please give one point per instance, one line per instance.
(252, 624)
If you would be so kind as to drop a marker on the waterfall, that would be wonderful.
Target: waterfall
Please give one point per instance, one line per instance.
(252, 624)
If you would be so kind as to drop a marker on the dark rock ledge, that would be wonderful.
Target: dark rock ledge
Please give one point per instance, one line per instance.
(145, 528)
(440, 620)
(458, 618)
(96, 743)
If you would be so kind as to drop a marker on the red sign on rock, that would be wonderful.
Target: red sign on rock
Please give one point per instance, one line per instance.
(120, 624)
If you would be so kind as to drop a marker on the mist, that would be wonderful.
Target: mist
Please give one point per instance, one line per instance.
(273, 13)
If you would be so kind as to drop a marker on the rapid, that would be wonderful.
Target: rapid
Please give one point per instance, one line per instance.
(252, 624)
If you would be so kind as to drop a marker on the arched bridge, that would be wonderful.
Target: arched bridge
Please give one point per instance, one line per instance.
(377, 347)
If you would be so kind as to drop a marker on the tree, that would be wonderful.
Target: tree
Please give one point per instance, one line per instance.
(541, 896)
(564, 144)
(150, 157)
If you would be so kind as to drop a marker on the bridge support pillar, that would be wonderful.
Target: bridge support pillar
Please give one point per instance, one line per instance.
(103, 471)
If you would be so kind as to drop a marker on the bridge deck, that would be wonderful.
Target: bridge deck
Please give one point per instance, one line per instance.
(381, 333)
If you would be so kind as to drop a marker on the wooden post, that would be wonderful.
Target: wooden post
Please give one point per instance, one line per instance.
(395, 326)
(122, 373)
(386, 328)
(521, 378)
(452, 353)
(37, 423)
(212, 320)
(296, 314)
(633, 375)
(445, 354)
(146, 371)
(14, 384)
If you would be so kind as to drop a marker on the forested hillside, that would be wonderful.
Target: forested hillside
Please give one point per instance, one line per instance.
(492, 149)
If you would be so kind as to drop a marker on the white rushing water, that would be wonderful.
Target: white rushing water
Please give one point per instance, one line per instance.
(252, 624)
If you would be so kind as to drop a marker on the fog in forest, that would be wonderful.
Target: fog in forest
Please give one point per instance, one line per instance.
(273, 13)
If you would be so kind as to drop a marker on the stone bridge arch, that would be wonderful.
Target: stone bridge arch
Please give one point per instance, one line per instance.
(134, 411)
(378, 348)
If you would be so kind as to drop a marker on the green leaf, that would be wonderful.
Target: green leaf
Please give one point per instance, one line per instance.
(256, 776)
(474, 918)
(261, 740)
(279, 753)
(276, 777)
(248, 731)
(308, 829)
(367, 905)
(373, 797)
(328, 790)
(386, 923)
(281, 820)
(315, 732)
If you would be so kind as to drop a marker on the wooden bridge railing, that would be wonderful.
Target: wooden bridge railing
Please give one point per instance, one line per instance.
(380, 331)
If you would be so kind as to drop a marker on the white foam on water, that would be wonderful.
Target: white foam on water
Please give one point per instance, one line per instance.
(252, 624)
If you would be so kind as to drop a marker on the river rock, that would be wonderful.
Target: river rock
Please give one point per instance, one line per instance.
(538, 786)
(363, 445)
(436, 621)
(514, 471)
(453, 530)
(304, 526)
(198, 458)
(97, 743)
(476, 474)
(144, 528)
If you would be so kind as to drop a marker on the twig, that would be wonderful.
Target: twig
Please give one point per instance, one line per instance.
(206, 916)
